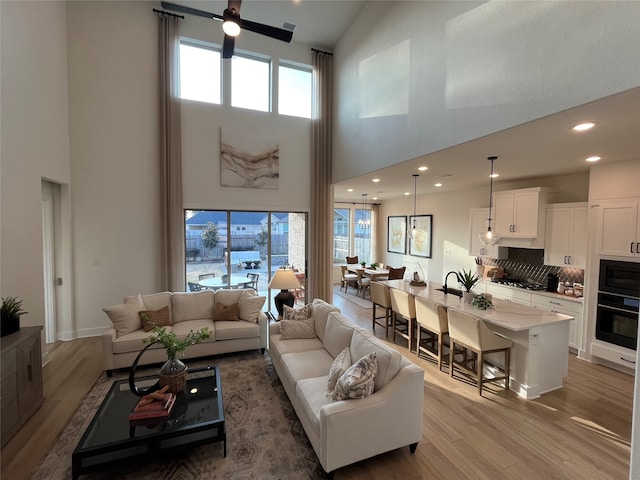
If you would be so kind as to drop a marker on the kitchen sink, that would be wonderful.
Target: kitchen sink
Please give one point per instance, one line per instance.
(451, 291)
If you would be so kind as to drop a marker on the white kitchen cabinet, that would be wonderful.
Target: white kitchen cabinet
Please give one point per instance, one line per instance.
(572, 308)
(478, 218)
(520, 214)
(510, 294)
(566, 235)
(618, 228)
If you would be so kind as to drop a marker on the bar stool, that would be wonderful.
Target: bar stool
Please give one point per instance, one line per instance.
(381, 297)
(431, 319)
(403, 306)
(471, 333)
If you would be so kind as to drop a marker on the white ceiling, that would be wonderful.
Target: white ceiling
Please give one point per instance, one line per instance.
(541, 148)
(319, 23)
(544, 147)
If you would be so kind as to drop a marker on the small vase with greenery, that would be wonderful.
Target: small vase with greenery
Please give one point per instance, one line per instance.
(174, 371)
(374, 265)
(481, 302)
(11, 311)
(467, 279)
(363, 264)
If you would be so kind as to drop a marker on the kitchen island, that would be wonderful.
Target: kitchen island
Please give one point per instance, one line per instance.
(539, 356)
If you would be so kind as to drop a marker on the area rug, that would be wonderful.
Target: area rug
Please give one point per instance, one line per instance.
(364, 303)
(265, 439)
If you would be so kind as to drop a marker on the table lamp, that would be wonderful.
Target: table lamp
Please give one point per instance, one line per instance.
(284, 279)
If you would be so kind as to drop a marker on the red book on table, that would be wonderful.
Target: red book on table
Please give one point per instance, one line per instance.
(158, 409)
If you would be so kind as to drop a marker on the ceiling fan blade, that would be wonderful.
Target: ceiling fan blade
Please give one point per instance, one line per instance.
(268, 30)
(227, 46)
(190, 11)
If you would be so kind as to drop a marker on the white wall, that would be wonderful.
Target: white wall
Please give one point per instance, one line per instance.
(413, 78)
(113, 92)
(35, 140)
(450, 212)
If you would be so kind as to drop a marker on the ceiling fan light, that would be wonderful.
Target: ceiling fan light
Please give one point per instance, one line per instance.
(231, 28)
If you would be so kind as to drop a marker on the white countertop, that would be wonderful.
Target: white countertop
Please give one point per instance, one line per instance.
(509, 315)
(544, 293)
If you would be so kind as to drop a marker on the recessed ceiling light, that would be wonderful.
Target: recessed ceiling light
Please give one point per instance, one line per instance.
(583, 127)
(595, 158)
(375, 180)
(349, 189)
(375, 198)
(407, 193)
(494, 175)
(438, 184)
(422, 169)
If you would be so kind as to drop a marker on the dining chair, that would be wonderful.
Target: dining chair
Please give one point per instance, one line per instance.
(403, 315)
(470, 332)
(348, 279)
(381, 297)
(363, 283)
(202, 276)
(396, 273)
(432, 320)
(254, 280)
(353, 259)
(194, 287)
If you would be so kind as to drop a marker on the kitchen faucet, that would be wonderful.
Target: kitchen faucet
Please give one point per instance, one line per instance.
(444, 289)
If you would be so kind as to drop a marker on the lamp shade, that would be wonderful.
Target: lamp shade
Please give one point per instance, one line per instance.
(284, 280)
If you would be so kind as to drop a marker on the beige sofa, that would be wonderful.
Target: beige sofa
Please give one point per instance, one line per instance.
(122, 342)
(346, 431)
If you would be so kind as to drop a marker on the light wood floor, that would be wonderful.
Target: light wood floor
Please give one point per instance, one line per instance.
(580, 432)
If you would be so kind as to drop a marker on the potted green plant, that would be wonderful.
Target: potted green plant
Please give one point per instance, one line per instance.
(174, 371)
(363, 264)
(467, 279)
(11, 310)
(481, 302)
(374, 265)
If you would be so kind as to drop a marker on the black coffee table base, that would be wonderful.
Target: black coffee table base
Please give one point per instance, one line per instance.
(197, 418)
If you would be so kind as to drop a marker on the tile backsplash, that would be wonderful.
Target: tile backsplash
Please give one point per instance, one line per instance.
(528, 265)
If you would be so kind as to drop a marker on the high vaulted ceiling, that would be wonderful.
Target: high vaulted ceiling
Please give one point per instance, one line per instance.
(544, 147)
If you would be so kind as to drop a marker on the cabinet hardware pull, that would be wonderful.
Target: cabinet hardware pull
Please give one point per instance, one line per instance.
(631, 248)
(565, 260)
(628, 361)
(638, 247)
(554, 303)
(568, 259)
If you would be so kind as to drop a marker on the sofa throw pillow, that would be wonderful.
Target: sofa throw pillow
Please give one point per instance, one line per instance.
(290, 329)
(124, 317)
(358, 380)
(226, 312)
(153, 318)
(340, 365)
(301, 313)
(250, 306)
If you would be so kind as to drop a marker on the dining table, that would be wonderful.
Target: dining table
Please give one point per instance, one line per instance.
(217, 282)
(373, 273)
(540, 351)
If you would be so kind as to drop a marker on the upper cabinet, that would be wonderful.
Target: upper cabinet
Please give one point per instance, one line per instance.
(618, 228)
(520, 215)
(566, 235)
(477, 224)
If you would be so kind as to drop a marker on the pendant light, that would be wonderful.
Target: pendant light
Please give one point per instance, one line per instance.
(364, 222)
(414, 229)
(489, 238)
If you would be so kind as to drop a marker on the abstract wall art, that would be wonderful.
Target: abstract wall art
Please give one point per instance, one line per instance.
(249, 160)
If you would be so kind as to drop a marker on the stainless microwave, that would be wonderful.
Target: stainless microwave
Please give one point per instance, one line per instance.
(621, 278)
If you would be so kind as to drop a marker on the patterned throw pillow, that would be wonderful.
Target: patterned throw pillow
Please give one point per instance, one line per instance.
(226, 312)
(302, 313)
(290, 329)
(250, 306)
(358, 380)
(153, 318)
(340, 365)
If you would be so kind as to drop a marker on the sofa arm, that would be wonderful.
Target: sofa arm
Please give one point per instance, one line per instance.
(352, 430)
(108, 337)
(263, 323)
(274, 328)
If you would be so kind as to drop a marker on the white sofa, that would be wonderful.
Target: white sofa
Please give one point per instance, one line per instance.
(189, 311)
(346, 431)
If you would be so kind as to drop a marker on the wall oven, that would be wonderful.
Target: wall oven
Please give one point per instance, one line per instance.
(618, 303)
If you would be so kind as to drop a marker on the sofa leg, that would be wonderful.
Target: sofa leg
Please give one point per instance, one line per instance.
(412, 447)
(329, 475)
(109, 373)
(262, 351)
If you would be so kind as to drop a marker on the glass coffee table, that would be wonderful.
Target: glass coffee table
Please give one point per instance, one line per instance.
(197, 417)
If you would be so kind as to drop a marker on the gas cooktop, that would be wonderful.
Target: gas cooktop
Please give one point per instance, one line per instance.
(512, 282)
